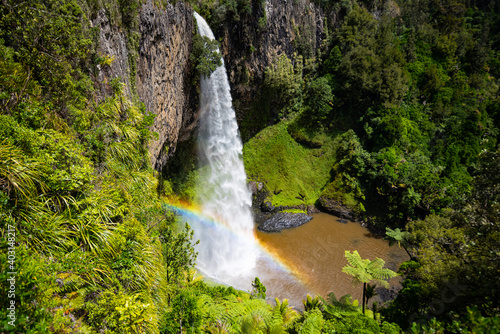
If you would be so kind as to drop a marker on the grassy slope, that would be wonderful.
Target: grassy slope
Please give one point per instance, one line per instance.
(288, 169)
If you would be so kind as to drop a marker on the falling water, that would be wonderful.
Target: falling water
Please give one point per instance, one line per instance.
(225, 196)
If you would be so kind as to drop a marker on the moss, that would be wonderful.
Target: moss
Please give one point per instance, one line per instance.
(293, 173)
(295, 211)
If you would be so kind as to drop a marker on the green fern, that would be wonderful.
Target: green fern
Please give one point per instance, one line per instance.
(313, 322)
(312, 303)
(365, 271)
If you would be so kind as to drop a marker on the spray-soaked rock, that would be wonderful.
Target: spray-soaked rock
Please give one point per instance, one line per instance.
(283, 220)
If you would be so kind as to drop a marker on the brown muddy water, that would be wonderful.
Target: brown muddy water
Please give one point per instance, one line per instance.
(314, 255)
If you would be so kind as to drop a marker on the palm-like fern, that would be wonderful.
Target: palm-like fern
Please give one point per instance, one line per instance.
(288, 314)
(311, 303)
(399, 237)
(241, 314)
(365, 271)
(338, 309)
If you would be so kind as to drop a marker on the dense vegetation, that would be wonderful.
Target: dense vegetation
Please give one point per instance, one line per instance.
(403, 102)
(397, 118)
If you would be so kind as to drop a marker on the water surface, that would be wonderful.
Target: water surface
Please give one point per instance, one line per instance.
(315, 253)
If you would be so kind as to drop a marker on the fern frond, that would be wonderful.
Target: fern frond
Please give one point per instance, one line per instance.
(354, 259)
(313, 323)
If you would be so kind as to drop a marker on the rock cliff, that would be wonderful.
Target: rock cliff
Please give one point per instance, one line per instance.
(291, 26)
(162, 75)
(162, 78)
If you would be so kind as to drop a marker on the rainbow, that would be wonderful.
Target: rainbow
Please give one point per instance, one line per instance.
(191, 211)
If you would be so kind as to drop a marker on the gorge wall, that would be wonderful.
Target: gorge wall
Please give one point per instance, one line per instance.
(162, 70)
(163, 73)
(249, 47)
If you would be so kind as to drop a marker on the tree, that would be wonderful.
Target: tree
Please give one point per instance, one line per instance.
(398, 236)
(364, 271)
(178, 252)
(318, 101)
(205, 55)
(259, 289)
(283, 84)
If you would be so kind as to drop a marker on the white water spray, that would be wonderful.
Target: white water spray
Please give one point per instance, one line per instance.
(225, 252)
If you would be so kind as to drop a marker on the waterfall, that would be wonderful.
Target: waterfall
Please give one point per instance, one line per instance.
(227, 249)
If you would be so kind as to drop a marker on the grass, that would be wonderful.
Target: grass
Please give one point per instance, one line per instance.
(294, 174)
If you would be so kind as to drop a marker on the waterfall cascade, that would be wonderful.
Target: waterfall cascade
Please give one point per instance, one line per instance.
(226, 250)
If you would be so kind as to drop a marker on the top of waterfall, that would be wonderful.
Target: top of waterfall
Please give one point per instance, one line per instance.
(203, 27)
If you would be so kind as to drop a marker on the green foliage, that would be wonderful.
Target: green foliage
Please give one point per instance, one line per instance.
(283, 85)
(371, 68)
(365, 271)
(53, 44)
(118, 313)
(205, 55)
(474, 322)
(311, 303)
(29, 285)
(236, 312)
(259, 290)
(185, 315)
(399, 237)
(318, 102)
(313, 322)
(293, 173)
(178, 252)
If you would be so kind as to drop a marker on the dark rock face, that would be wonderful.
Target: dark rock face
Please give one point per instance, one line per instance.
(312, 209)
(283, 220)
(337, 208)
(291, 27)
(112, 43)
(285, 19)
(163, 73)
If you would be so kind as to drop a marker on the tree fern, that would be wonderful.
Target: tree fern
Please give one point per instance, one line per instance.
(365, 271)
(312, 303)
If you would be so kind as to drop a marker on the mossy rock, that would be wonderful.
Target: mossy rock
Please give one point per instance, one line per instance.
(340, 203)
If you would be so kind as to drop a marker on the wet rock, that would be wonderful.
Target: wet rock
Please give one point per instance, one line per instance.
(311, 209)
(386, 295)
(252, 185)
(283, 220)
(267, 206)
(260, 186)
(337, 208)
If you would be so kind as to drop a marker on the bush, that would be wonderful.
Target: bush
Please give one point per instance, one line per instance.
(205, 55)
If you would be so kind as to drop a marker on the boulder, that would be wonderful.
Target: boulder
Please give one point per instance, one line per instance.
(337, 208)
(283, 220)
(312, 209)
(267, 206)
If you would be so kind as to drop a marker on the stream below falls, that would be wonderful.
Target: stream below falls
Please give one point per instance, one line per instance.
(314, 255)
